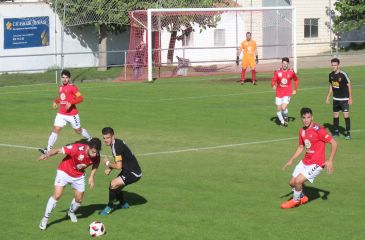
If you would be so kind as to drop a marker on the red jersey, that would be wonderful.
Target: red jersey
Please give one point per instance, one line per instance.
(283, 81)
(77, 160)
(67, 93)
(314, 139)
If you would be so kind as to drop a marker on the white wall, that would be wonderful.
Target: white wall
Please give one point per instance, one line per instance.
(84, 42)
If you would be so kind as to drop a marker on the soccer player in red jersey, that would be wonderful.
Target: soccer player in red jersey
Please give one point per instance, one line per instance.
(71, 171)
(282, 83)
(313, 138)
(69, 96)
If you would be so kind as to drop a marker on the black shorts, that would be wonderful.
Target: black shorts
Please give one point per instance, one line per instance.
(128, 177)
(339, 106)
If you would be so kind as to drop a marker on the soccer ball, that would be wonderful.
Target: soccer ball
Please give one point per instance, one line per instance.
(96, 229)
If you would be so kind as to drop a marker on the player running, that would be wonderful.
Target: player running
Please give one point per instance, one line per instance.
(250, 57)
(282, 83)
(313, 138)
(340, 87)
(71, 171)
(69, 96)
(124, 161)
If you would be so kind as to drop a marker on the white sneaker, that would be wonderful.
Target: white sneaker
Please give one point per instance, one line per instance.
(43, 223)
(72, 217)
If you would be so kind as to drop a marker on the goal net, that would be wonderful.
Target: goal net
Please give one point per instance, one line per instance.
(205, 41)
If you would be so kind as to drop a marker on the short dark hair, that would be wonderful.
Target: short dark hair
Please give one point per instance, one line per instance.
(248, 33)
(285, 59)
(66, 72)
(95, 143)
(107, 130)
(305, 110)
(336, 60)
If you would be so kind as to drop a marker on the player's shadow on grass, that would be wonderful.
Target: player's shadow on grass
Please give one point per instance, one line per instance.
(330, 128)
(247, 80)
(133, 199)
(277, 121)
(312, 193)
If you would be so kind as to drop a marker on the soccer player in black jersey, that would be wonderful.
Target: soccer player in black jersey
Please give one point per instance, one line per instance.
(125, 161)
(340, 88)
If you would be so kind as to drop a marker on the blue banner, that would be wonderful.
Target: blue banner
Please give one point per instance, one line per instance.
(26, 32)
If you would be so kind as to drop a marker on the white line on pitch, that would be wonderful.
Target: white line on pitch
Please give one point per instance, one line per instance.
(189, 149)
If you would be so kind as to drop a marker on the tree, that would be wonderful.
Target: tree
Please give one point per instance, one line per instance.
(108, 17)
(177, 23)
(351, 15)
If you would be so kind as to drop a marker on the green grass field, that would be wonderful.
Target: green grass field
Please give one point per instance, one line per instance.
(211, 156)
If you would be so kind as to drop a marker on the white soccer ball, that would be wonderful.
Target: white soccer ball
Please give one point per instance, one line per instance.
(96, 229)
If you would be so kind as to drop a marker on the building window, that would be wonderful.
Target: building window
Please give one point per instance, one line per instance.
(311, 27)
(219, 37)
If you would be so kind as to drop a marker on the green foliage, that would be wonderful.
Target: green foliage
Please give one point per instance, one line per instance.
(175, 23)
(112, 13)
(351, 17)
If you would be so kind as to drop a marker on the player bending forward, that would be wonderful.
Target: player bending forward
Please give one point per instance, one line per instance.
(71, 171)
(313, 137)
(282, 83)
(124, 161)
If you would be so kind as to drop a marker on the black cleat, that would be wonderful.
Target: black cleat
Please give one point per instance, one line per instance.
(43, 150)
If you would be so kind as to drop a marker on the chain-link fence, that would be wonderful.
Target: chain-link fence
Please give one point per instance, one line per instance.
(76, 35)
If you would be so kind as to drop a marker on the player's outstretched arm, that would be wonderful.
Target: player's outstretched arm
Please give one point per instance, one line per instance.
(296, 80)
(329, 162)
(329, 94)
(350, 93)
(55, 103)
(50, 154)
(299, 150)
(91, 178)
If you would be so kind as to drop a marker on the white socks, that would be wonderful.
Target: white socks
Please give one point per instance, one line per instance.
(52, 140)
(285, 113)
(296, 195)
(74, 206)
(51, 204)
(280, 116)
(85, 134)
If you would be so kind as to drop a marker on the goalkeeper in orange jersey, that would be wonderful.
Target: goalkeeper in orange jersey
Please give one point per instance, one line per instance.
(250, 57)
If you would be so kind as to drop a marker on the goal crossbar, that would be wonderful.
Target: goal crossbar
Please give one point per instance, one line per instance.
(151, 12)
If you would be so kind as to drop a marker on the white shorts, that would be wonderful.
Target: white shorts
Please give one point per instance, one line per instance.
(308, 171)
(61, 120)
(279, 101)
(62, 179)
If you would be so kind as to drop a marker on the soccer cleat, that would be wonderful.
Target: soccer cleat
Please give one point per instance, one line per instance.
(348, 137)
(107, 210)
(254, 83)
(290, 204)
(43, 150)
(285, 124)
(242, 82)
(124, 206)
(43, 223)
(282, 124)
(72, 216)
(304, 199)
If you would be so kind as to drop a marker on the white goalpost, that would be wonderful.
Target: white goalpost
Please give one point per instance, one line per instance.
(207, 39)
